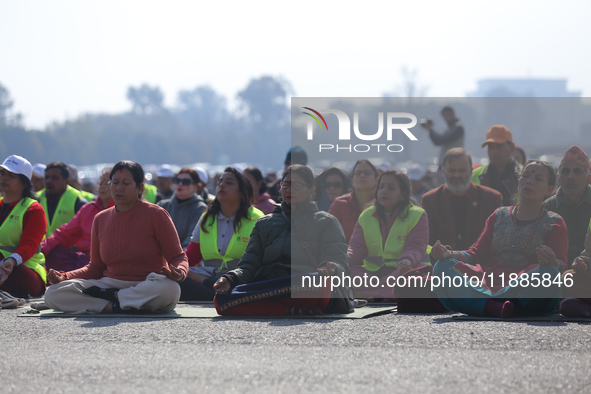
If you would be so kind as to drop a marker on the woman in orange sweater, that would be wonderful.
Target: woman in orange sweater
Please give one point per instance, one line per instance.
(136, 259)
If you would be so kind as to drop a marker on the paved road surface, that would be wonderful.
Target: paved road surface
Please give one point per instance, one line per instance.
(390, 353)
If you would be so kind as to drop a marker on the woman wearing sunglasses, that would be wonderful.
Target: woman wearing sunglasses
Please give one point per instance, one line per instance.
(185, 206)
(220, 236)
(332, 183)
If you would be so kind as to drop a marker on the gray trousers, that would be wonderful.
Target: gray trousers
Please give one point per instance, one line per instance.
(156, 294)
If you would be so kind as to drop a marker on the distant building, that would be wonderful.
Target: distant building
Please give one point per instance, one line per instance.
(523, 88)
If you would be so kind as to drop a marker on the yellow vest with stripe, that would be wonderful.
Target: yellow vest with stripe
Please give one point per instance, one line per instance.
(86, 195)
(64, 212)
(10, 236)
(395, 241)
(208, 242)
(150, 193)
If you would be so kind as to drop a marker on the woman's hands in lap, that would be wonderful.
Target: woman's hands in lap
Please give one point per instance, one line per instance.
(546, 256)
(440, 251)
(222, 286)
(172, 272)
(54, 277)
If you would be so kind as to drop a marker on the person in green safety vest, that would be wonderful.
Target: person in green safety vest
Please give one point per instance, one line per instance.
(390, 237)
(59, 200)
(22, 228)
(220, 236)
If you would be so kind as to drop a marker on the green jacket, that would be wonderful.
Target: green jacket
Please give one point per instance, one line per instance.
(269, 253)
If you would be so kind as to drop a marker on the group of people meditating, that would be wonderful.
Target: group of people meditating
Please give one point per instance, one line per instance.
(134, 256)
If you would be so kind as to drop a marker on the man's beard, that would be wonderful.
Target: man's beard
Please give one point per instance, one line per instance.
(458, 189)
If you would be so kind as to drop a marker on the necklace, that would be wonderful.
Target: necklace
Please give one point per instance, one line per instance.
(514, 219)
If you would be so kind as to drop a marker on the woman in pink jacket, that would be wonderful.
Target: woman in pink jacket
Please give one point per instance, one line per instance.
(389, 239)
(76, 233)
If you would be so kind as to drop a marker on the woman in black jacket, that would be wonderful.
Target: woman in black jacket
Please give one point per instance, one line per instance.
(271, 272)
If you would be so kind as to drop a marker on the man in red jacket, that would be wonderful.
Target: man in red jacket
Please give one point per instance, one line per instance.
(458, 209)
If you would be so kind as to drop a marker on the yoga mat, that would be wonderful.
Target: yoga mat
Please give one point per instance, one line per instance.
(556, 317)
(194, 313)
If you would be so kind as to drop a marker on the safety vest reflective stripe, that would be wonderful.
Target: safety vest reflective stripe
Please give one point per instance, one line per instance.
(10, 236)
(377, 255)
(209, 241)
(64, 211)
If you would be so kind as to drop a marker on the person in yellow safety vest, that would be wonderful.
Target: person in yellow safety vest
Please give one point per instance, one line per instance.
(22, 228)
(389, 239)
(59, 200)
(502, 173)
(150, 192)
(221, 235)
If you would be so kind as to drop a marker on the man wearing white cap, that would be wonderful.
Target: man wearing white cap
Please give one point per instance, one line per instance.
(164, 181)
(38, 179)
(22, 227)
(202, 186)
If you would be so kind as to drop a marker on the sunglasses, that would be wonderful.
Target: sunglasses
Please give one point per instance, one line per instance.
(183, 181)
(330, 185)
(293, 185)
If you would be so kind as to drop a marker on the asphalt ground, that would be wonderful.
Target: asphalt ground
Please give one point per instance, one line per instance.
(388, 353)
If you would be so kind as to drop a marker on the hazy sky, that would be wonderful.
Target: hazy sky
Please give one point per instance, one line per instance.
(62, 58)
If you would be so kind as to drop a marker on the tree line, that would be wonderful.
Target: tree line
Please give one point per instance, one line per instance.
(199, 128)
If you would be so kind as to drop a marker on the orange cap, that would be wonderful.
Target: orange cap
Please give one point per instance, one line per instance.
(498, 134)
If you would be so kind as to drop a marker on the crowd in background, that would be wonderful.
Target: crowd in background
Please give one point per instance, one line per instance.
(122, 244)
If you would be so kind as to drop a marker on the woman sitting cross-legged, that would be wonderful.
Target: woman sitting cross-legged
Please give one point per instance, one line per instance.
(390, 238)
(136, 259)
(519, 254)
(22, 227)
(220, 236)
(262, 282)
